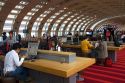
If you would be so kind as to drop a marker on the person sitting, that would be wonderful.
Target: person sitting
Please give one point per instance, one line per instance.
(86, 47)
(102, 52)
(12, 64)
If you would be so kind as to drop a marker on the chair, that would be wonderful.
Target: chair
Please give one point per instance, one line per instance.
(8, 80)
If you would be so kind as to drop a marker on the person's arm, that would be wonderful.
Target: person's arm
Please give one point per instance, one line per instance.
(17, 61)
(96, 44)
(90, 45)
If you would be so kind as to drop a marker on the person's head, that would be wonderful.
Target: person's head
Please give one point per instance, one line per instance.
(4, 33)
(16, 47)
(11, 33)
(85, 38)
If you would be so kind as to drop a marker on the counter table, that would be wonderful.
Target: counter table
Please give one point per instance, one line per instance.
(112, 50)
(49, 71)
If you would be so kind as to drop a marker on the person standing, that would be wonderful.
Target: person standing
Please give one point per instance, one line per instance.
(4, 36)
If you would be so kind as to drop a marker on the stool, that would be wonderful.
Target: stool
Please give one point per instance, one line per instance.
(0, 79)
(9, 80)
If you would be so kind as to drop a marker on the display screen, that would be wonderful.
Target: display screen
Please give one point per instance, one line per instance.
(69, 39)
(75, 40)
(1, 39)
(89, 33)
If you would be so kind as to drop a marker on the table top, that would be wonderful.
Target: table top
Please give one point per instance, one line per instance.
(54, 52)
(58, 68)
(114, 48)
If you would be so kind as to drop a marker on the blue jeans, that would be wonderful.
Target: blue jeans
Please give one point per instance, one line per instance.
(20, 73)
(93, 54)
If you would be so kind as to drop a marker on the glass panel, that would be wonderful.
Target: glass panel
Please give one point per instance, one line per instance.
(49, 20)
(65, 21)
(23, 22)
(51, 8)
(77, 23)
(39, 6)
(57, 13)
(73, 28)
(40, 18)
(62, 27)
(26, 17)
(61, 17)
(1, 4)
(68, 18)
(14, 11)
(29, 15)
(13, 14)
(58, 21)
(74, 19)
(23, 2)
(61, 11)
(8, 21)
(19, 7)
(59, 33)
(71, 22)
(53, 17)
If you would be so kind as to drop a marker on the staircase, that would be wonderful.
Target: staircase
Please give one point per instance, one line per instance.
(101, 74)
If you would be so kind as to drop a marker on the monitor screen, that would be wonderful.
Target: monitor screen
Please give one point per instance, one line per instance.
(64, 39)
(69, 38)
(81, 38)
(32, 48)
(1, 39)
(75, 40)
(88, 33)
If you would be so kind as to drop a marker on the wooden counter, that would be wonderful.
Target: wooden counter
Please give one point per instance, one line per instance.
(53, 52)
(44, 71)
(79, 46)
(59, 69)
(112, 50)
(115, 48)
(71, 46)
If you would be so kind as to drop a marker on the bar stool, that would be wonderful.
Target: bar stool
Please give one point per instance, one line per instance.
(9, 80)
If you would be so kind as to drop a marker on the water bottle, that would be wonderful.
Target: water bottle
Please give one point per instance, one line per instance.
(59, 48)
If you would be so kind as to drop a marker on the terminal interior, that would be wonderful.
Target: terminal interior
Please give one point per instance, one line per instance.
(65, 41)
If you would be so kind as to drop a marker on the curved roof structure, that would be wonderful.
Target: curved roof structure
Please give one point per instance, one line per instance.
(59, 16)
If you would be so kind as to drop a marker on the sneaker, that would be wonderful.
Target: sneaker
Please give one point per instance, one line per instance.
(80, 79)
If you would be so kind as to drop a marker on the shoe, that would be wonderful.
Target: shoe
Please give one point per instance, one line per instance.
(80, 79)
(25, 81)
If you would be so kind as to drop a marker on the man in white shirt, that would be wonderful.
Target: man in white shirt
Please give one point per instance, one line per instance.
(12, 63)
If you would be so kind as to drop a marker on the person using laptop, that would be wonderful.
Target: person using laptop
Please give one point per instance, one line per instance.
(86, 47)
(12, 64)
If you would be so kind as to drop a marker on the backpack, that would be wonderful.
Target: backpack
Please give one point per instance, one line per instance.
(108, 62)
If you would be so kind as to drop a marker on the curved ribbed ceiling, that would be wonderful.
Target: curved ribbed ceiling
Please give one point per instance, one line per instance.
(53, 16)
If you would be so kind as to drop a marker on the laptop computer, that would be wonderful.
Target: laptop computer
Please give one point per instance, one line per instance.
(32, 50)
